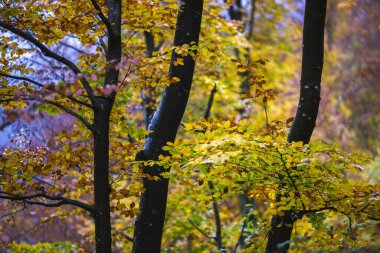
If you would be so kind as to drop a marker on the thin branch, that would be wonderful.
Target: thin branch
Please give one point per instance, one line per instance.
(218, 225)
(201, 231)
(331, 208)
(47, 52)
(159, 45)
(43, 180)
(64, 108)
(102, 16)
(123, 234)
(103, 45)
(22, 78)
(218, 233)
(72, 47)
(240, 236)
(298, 193)
(61, 200)
(43, 86)
(2, 216)
(210, 102)
(76, 115)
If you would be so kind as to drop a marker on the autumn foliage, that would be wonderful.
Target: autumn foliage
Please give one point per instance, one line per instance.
(106, 119)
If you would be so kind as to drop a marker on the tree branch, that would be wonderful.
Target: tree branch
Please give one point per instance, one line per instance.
(218, 225)
(201, 231)
(64, 108)
(240, 236)
(76, 115)
(46, 51)
(210, 102)
(331, 208)
(43, 86)
(72, 47)
(61, 200)
(102, 17)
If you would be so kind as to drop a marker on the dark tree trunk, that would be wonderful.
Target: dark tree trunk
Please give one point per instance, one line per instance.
(102, 110)
(102, 188)
(307, 111)
(164, 125)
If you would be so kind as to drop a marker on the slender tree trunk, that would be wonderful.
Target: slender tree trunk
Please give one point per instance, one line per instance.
(307, 111)
(164, 125)
(101, 184)
(102, 110)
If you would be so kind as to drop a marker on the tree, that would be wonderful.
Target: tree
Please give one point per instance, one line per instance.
(164, 126)
(100, 104)
(307, 110)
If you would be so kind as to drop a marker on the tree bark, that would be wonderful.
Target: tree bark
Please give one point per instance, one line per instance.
(307, 111)
(164, 125)
(102, 109)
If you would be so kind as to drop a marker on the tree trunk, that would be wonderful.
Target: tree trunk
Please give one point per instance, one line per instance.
(102, 110)
(164, 125)
(102, 188)
(307, 111)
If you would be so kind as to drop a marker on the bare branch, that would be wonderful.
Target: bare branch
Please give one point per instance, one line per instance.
(331, 208)
(13, 212)
(72, 47)
(210, 102)
(218, 225)
(43, 86)
(102, 16)
(43, 180)
(76, 115)
(103, 45)
(64, 108)
(240, 235)
(61, 200)
(22, 78)
(201, 231)
(159, 45)
(47, 52)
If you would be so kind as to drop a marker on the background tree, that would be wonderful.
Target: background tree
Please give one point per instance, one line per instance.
(307, 110)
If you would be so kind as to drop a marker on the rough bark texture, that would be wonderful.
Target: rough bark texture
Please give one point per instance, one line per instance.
(307, 111)
(102, 110)
(164, 125)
